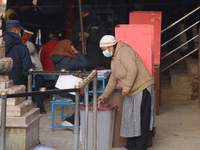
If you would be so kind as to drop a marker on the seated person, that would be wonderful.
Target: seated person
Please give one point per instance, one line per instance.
(47, 48)
(65, 56)
(39, 80)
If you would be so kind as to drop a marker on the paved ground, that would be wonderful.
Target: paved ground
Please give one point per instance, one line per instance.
(178, 127)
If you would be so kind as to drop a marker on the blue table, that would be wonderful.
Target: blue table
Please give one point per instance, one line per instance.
(60, 102)
(100, 90)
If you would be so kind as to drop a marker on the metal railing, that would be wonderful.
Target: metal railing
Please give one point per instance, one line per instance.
(173, 24)
(91, 76)
(164, 30)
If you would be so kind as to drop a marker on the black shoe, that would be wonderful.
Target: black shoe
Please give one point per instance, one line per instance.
(42, 111)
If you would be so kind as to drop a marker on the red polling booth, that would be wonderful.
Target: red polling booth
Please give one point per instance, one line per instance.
(151, 18)
(140, 38)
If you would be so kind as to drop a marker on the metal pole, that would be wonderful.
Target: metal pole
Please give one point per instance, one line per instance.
(180, 33)
(76, 125)
(81, 25)
(179, 59)
(199, 70)
(30, 80)
(179, 20)
(86, 117)
(95, 113)
(3, 120)
(180, 46)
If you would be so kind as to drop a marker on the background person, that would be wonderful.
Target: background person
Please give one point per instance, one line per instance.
(18, 52)
(30, 17)
(94, 30)
(47, 48)
(137, 88)
(12, 12)
(65, 56)
(39, 79)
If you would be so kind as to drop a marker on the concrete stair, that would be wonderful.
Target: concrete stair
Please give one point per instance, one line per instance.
(181, 83)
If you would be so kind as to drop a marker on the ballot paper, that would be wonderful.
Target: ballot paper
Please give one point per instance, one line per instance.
(67, 82)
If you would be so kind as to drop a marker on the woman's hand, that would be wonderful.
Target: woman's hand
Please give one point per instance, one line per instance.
(124, 92)
(100, 99)
(74, 50)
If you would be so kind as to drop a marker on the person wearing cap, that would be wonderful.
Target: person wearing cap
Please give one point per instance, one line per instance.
(138, 113)
(18, 52)
(94, 30)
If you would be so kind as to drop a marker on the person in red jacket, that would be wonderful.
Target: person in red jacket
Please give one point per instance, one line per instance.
(47, 48)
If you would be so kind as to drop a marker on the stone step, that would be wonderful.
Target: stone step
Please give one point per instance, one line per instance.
(169, 94)
(12, 90)
(192, 68)
(179, 78)
(23, 136)
(2, 50)
(24, 119)
(7, 84)
(20, 109)
(14, 101)
(178, 87)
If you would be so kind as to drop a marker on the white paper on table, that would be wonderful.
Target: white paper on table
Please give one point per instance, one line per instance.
(67, 82)
(103, 72)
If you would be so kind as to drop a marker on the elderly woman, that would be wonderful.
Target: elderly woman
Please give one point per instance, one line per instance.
(65, 56)
(137, 88)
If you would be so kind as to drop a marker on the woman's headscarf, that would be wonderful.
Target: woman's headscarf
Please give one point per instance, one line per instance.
(64, 48)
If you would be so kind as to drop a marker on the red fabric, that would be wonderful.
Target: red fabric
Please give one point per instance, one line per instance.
(45, 56)
(71, 14)
(64, 48)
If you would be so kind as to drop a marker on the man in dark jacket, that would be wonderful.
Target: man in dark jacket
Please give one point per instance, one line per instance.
(94, 30)
(18, 52)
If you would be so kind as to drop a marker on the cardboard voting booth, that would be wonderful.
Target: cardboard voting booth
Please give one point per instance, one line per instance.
(149, 18)
(140, 38)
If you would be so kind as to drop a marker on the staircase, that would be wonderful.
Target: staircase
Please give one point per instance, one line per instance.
(182, 81)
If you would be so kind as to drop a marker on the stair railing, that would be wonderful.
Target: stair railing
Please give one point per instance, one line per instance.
(164, 30)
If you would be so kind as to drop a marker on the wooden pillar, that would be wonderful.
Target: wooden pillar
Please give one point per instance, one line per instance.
(157, 87)
(199, 70)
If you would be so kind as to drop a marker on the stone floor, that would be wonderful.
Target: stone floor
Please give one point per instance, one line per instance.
(178, 127)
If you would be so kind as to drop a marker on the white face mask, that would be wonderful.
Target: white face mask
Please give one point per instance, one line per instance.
(106, 53)
(19, 33)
